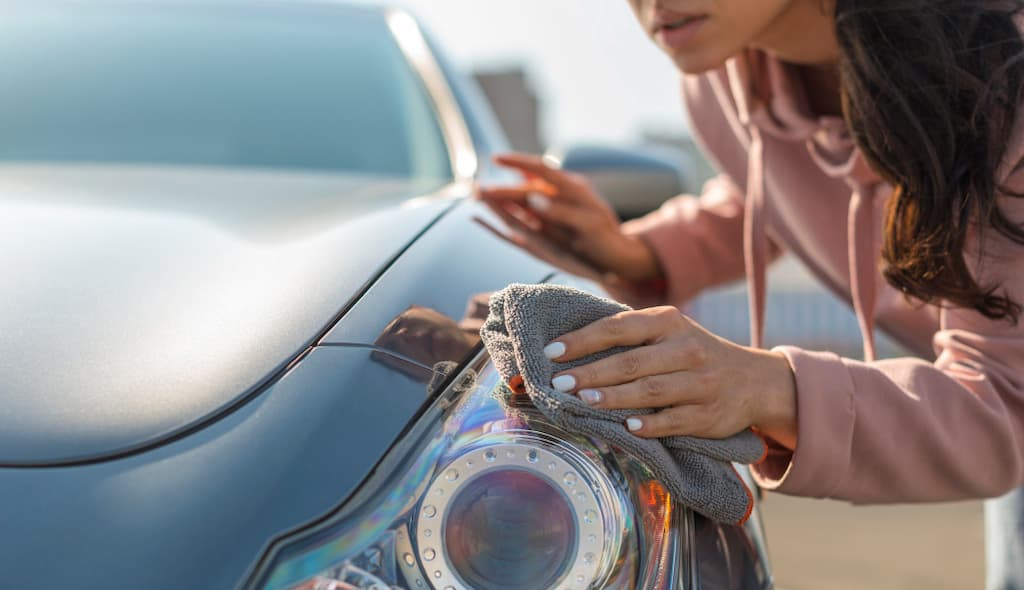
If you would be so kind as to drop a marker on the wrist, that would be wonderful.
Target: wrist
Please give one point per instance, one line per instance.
(777, 415)
(639, 263)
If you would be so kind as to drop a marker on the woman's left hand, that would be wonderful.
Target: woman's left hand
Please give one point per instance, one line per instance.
(704, 385)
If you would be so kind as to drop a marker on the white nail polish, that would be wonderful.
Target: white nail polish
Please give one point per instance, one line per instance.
(552, 161)
(538, 201)
(564, 383)
(554, 350)
(591, 396)
(634, 424)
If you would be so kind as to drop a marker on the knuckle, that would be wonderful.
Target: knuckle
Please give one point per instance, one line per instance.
(694, 355)
(670, 315)
(653, 388)
(629, 364)
(615, 325)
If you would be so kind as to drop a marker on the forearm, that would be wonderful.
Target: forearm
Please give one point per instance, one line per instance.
(897, 431)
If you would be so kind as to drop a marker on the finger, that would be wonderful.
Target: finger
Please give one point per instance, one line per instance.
(686, 420)
(500, 193)
(517, 192)
(543, 249)
(562, 236)
(628, 328)
(554, 210)
(524, 216)
(513, 237)
(546, 235)
(513, 222)
(656, 390)
(664, 360)
(538, 166)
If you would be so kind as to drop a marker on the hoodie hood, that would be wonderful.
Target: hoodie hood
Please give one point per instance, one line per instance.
(771, 101)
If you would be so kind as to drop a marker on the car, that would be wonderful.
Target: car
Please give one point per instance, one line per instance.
(238, 348)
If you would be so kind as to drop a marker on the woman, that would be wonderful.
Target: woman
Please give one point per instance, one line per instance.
(878, 142)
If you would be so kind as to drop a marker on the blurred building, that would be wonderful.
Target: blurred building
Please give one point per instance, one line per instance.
(516, 104)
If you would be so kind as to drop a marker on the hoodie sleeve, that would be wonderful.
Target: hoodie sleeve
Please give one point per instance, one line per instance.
(906, 430)
(698, 240)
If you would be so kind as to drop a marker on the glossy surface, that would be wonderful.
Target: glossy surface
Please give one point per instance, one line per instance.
(452, 270)
(460, 438)
(140, 301)
(197, 512)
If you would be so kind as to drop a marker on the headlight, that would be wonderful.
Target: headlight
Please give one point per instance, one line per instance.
(479, 497)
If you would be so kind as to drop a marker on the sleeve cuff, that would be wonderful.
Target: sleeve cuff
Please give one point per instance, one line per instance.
(676, 251)
(825, 421)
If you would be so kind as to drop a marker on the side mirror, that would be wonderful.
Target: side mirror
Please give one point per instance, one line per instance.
(634, 181)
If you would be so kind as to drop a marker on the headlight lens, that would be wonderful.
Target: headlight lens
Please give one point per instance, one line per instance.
(479, 497)
(527, 512)
(505, 528)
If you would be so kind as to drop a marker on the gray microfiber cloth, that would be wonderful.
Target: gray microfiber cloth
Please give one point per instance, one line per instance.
(697, 472)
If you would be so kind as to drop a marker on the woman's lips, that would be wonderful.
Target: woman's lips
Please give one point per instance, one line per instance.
(677, 34)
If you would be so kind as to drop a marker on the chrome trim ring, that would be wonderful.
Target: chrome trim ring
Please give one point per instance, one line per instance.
(407, 560)
(538, 461)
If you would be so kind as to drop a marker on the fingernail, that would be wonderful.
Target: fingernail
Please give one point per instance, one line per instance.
(538, 201)
(552, 161)
(591, 396)
(634, 424)
(564, 383)
(554, 350)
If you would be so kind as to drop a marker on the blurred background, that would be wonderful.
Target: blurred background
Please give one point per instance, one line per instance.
(581, 73)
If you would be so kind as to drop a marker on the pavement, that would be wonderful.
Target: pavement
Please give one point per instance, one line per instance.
(827, 545)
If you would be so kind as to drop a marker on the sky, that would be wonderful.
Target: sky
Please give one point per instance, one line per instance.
(600, 77)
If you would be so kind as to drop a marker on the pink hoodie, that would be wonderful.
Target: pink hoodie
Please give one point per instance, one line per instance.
(901, 430)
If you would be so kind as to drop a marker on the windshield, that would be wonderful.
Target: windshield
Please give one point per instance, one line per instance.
(306, 87)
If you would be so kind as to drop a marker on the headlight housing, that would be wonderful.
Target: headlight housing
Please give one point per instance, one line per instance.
(478, 496)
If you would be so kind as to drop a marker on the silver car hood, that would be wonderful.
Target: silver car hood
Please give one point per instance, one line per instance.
(135, 302)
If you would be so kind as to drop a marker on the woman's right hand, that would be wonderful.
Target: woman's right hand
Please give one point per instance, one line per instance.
(562, 208)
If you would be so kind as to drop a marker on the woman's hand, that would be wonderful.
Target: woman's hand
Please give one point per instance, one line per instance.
(704, 385)
(563, 209)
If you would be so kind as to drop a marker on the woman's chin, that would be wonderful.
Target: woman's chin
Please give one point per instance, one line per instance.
(697, 62)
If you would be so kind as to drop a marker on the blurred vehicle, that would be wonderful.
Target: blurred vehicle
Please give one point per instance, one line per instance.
(634, 181)
(237, 343)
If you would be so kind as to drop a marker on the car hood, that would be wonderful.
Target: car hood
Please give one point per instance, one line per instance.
(139, 302)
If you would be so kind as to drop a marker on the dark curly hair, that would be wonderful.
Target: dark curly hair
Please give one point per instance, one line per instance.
(930, 92)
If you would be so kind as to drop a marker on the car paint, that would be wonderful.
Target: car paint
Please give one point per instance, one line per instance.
(148, 300)
(198, 511)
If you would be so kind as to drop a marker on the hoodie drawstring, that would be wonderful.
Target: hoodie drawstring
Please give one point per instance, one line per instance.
(755, 239)
(860, 224)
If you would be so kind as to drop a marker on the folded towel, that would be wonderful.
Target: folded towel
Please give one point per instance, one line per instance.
(696, 472)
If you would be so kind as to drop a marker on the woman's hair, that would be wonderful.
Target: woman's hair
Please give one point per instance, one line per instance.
(930, 92)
